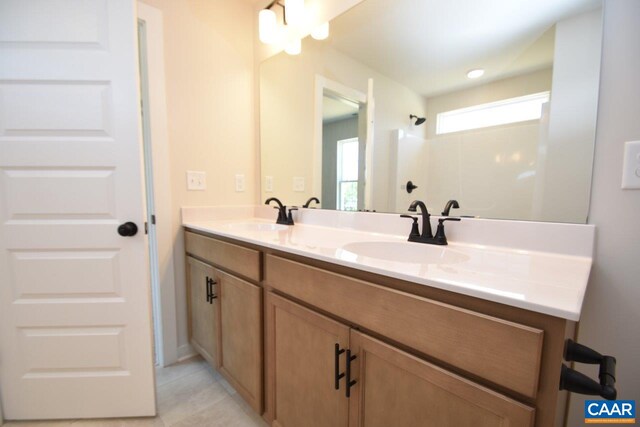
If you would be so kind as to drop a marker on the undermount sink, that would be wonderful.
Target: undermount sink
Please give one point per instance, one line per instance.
(256, 227)
(414, 253)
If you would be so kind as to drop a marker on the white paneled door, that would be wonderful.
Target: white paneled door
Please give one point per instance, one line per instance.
(75, 324)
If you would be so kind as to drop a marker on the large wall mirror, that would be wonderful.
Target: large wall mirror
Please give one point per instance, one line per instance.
(489, 102)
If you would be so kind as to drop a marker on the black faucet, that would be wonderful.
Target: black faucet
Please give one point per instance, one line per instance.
(311, 199)
(450, 204)
(427, 235)
(283, 218)
(426, 222)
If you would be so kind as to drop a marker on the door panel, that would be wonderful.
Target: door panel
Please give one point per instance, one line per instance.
(204, 318)
(241, 336)
(396, 388)
(301, 367)
(75, 328)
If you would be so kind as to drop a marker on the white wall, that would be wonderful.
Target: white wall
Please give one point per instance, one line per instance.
(611, 317)
(209, 68)
(572, 118)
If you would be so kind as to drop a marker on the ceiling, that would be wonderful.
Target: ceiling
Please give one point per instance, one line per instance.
(429, 45)
(334, 108)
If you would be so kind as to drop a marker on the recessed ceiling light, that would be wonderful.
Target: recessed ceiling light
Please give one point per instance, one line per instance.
(474, 74)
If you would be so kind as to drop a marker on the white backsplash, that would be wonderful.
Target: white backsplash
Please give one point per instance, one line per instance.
(557, 238)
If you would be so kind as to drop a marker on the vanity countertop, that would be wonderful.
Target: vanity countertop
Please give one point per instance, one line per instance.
(544, 282)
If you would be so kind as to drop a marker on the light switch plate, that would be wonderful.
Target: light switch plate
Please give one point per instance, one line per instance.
(268, 184)
(298, 183)
(196, 181)
(631, 166)
(239, 182)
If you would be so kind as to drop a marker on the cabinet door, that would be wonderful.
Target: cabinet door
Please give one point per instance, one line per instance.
(301, 366)
(394, 388)
(241, 336)
(203, 313)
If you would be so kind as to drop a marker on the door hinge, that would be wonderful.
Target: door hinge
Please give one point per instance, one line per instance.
(146, 228)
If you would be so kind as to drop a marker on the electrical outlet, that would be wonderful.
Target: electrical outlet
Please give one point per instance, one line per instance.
(298, 183)
(631, 165)
(268, 184)
(239, 182)
(196, 181)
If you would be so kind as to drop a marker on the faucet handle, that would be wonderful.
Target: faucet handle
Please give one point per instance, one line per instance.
(450, 218)
(415, 232)
(290, 215)
(440, 237)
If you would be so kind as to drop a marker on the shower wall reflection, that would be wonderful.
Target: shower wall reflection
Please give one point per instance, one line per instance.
(492, 169)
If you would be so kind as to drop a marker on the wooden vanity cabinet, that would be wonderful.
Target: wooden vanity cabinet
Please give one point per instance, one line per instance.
(228, 329)
(389, 387)
(421, 356)
(501, 365)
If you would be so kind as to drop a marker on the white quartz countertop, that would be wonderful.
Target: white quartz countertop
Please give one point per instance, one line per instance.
(544, 282)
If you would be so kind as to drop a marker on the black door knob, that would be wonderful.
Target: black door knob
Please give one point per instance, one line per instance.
(411, 186)
(128, 229)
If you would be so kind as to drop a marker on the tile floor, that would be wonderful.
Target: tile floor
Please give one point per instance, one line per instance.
(190, 393)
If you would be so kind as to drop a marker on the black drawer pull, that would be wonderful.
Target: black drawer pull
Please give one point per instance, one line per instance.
(350, 382)
(338, 374)
(210, 295)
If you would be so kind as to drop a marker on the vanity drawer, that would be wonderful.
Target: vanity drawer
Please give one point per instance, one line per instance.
(500, 351)
(238, 259)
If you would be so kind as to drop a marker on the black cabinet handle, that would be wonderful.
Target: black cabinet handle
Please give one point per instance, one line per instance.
(350, 382)
(338, 374)
(579, 383)
(210, 295)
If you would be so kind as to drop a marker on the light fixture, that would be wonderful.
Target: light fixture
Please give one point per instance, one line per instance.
(267, 26)
(268, 23)
(474, 74)
(294, 11)
(294, 46)
(293, 17)
(321, 32)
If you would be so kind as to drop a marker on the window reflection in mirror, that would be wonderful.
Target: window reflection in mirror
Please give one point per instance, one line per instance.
(342, 168)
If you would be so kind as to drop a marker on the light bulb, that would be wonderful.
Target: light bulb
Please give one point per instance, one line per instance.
(294, 10)
(321, 32)
(267, 26)
(294, 47)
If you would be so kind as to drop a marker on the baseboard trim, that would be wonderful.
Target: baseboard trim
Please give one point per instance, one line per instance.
(185, 351)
